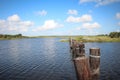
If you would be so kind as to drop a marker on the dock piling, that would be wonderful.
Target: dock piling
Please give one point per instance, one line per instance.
(94, 61)
(86, 68)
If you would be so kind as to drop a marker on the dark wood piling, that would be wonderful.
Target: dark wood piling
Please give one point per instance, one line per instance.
(82, 68)
(70, 42)
(94, 61)
(86, 68)
(81, 49)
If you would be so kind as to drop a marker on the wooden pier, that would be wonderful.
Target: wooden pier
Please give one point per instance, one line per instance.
(87, 68)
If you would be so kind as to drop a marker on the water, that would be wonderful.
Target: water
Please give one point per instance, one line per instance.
(49, 59)
(35, 59)
(110, 59)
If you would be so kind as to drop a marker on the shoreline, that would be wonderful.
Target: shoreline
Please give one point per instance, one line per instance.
(77, 38)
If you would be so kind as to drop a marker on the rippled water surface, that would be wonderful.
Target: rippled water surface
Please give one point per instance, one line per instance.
(50, 59)
(110, 59)
(35, 59)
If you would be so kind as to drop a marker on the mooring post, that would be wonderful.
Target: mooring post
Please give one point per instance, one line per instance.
(81, 49)
(94, 61)
(70, 42)
(75, 49)
(82, 68)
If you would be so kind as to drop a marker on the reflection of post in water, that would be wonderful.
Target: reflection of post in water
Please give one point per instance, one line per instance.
(86, 68)
(94, 61)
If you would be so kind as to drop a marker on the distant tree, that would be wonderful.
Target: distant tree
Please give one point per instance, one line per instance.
(19, 35)
(114, 34)
(7, 36)
(1, 36)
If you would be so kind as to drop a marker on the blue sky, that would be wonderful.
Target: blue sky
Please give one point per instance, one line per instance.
(59, 17)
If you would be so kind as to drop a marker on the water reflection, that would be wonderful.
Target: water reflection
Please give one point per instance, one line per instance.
(36, 59)
(49, 59)
(15, 48)
(50, 47)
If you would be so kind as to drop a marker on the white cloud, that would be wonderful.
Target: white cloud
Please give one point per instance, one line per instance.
(13, 23)
(118, 23)
(48, 25)
(117, 30)
(100, 2)
(14, 17)
(74, 12)
(42, 13)
(118, 15)
(88, 28)
(83, 1)
(78, 28)
(83, 18)
(90, 25)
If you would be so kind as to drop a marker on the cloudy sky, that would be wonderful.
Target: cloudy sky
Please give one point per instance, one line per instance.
(59, 17)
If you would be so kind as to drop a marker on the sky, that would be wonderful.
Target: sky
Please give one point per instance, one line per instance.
(59, 17)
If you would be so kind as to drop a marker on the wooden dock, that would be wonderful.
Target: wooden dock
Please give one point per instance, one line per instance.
(87, 68)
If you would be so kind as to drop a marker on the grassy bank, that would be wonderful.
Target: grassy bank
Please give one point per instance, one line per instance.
(13, 38)
(93, 39)
(66, 38)
(97, 39)
(9, 37)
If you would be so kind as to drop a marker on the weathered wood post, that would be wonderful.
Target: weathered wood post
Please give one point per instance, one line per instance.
(75, 48)
(82, 68)
(70, 42)
(94, 60)
(81, 63)
(81, 49)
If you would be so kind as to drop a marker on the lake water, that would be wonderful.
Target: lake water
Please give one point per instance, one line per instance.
(50, 59)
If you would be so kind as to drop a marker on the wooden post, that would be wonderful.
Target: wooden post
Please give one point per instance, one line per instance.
(94, 60)
(82, 68)
(81, 50)
(70, 42)
(75, 49)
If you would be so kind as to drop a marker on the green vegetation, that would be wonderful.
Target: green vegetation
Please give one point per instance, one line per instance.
(97, 39)
(114, 35)
(7, 36)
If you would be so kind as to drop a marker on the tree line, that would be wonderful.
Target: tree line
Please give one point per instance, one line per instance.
(114, 35)
(7, 36)
(111, 35)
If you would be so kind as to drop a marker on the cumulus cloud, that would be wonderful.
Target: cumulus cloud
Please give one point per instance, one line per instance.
(100, 2)
(13, 23)
(118, 23)
(73, 12)
(48, 25)
(83, 18)
(87, 26)
(13, 18)
(90, 25)
(42, 13)
(118, 15)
